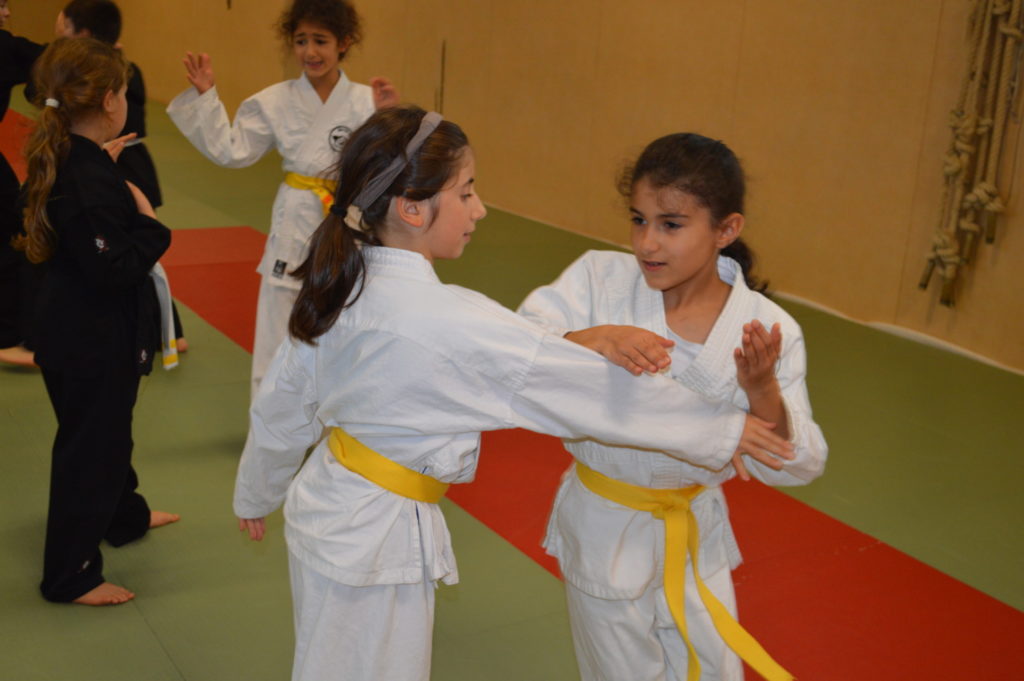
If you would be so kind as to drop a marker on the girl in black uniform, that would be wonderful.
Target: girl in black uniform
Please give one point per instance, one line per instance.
(95, 331)
(16, 58)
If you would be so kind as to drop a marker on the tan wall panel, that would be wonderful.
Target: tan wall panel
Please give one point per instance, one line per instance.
(829, 112)
(837, 109)
(245, 52)
(663, 67)
(34, 19)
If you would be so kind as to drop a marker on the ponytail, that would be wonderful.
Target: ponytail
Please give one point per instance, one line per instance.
(47, 147)
(71, 78)
(335, 265)
(739, 251)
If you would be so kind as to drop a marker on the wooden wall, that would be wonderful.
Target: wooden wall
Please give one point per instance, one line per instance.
(838, 110)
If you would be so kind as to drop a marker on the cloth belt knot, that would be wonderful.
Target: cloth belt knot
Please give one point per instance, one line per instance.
(324, 189)
(378, 469)
(682, 542)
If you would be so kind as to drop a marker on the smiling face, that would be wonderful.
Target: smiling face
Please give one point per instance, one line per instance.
(456, 210)
(317, 50)
(675, 239)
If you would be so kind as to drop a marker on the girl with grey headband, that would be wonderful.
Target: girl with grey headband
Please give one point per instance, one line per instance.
(392, 375)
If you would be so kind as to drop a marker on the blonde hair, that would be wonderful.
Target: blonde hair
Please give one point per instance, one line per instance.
(72, 76)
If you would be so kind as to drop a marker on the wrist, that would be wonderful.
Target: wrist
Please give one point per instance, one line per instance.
(768, 390)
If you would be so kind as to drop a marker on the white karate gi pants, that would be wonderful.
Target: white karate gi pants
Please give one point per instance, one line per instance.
(360, 633)
(273, 308)
(637, 640)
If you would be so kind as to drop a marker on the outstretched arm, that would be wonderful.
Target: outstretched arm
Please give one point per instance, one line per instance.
(634, 349)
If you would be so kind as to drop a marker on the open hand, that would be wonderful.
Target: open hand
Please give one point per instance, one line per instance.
(256, 527)
(141, 202)
(760, 443)
(385, 94)
(115, 146)
(755, 361)
(199, 71)
(634, 349)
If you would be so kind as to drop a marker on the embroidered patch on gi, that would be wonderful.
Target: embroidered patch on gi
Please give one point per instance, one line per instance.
(279, 268)
(143, 356)
(338, 136)
(101, 243)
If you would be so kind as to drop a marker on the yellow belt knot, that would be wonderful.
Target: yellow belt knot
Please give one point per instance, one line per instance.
(682, 542)
(324, 189)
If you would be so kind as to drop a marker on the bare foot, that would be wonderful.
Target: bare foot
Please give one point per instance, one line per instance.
(161, 518)
(181, 344)
(18, 356)
(105, 594)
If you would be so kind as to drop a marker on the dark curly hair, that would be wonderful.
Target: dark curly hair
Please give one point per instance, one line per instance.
(337, 16)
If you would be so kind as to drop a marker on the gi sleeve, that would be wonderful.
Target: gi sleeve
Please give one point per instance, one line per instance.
(204, 121)
(282, 427)
(811, 451)
(112, 249)
(572, 392)
(565, 304)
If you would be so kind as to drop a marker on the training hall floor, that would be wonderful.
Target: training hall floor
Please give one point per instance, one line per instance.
(903, 562)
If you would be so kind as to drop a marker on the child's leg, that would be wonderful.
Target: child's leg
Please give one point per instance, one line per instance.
(360, 633)
(131, 517)
(272, 311)
(615, 639)
(717, 661)
(91, 464)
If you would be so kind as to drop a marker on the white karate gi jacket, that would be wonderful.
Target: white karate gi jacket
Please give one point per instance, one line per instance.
(307, 132)
(416, 369)
(611, 551)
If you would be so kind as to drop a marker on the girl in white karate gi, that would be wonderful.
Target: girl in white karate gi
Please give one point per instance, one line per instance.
(308, 120)
(392, 375)
(688, 285)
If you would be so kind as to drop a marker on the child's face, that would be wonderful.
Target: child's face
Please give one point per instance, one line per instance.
(317, 49)
(674, 237)
(456, 210)
(118, 110)
(5, 13)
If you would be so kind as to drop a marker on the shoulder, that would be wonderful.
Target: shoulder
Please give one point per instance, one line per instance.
(770, 312)
(607, 265)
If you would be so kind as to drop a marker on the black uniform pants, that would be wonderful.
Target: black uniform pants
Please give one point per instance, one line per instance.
(92, 482)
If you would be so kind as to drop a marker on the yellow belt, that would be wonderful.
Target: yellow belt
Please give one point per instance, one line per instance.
(682, 538)
(324, 189)
(394, 477)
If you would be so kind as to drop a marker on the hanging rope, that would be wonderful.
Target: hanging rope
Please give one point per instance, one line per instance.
(971, 199)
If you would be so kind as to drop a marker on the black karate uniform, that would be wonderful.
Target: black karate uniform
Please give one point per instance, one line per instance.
(16, 58)
(95, 333)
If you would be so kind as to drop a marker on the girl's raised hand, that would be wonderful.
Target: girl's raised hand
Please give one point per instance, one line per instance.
(761, 444)
(385, 94)
(141, 202)
(256, 527)
(634, 349)
(115, 146)
(199, 71)
(755, 361)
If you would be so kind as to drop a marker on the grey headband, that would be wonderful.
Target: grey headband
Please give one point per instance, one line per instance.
(375, 187)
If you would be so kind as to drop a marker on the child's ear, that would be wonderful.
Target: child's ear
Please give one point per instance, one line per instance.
(343, 46)
(110, 101)
(729, 230)
(411, 212)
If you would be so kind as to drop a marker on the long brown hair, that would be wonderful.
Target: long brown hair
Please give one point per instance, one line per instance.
(335, 263)
(76, 73)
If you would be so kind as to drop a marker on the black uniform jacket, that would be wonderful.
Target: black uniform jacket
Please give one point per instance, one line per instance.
(16, 58)
(97, 309)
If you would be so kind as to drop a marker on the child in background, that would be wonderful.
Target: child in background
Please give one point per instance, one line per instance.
(392, 375)
(16, 58)
(308, 120)
(688, 286)
(95, 330)
(101, 19)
